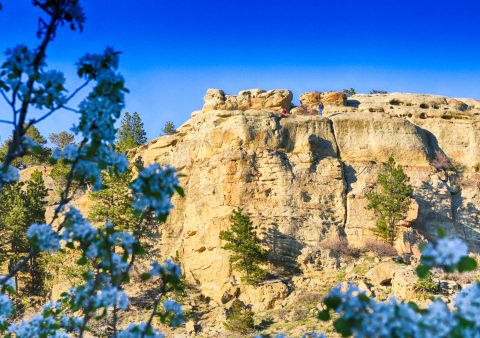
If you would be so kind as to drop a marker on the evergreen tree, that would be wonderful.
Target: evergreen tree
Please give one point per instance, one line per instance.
(114, 204)
(23, 204)
(169, 128)
(349, 92)
(62, 139)
(131, 133)
(30, 159)
(239, 318)
(391, 203)
(247, 254)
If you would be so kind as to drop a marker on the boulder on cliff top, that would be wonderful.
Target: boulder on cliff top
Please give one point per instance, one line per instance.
(215, 99)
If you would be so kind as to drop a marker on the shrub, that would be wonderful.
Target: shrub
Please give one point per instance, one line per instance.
(441, 161)
(341, 246)
(349, 92)
(239, 318)
(380, 248)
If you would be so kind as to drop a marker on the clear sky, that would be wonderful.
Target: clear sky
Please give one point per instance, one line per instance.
(173, 51)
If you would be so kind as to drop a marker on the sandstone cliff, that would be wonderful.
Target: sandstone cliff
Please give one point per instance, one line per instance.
(304, 178)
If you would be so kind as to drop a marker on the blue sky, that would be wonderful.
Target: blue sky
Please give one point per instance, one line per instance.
(173, 51)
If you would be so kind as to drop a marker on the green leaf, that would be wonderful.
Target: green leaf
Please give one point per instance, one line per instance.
(82, 261)
(145, 276)
(343, 327)
(441, 232)
(324, 315)
(332, 302)
(179, 190)
(467, 264)
(422, 271)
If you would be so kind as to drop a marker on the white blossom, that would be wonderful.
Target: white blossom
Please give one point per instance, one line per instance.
(10, 282)
(43, 237)
(153, 188)
(168, 267)
(139, 331)
(10, 175)
(467, 302)
(446, 252)
(172, 307)
(6, 308)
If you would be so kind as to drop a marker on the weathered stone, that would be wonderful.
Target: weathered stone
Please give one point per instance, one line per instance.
(382, 274)
(264, 296)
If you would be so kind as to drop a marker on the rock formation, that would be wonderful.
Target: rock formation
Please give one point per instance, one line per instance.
(304, 178)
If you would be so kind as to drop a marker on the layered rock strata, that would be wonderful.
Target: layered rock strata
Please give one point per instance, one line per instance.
(304, 178)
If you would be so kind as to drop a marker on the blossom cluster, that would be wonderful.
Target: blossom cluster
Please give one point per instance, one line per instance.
(43, 237)
(446, 252)
(362, 316)
(153, 188)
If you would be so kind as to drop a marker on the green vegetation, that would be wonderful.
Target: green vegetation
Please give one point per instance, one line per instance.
(23, 204)
(240, 318)
(426, 286)
(114, 204)
(392, 201)
(169, 128)
(247, 253)
(62, 139)
(349, 92)
(36, 156)
(131, 133)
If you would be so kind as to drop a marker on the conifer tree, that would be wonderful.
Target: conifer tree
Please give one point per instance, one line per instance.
(114, 204)
(247, 253)
(62, 139)
(169, 128)
(23, 204)
(131, 133)
(392, 201)
(32, 158)
(239, 318)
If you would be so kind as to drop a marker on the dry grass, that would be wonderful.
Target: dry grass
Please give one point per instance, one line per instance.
(380, 248)
(341, 246)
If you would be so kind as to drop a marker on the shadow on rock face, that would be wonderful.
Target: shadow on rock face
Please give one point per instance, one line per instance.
(284, 251)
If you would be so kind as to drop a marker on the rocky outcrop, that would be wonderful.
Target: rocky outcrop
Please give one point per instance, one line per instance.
(303, 178)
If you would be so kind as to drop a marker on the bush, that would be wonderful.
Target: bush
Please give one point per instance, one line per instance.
(239, 318)
(380, 248)
(341, 246)
(349, 92)
(441, 161)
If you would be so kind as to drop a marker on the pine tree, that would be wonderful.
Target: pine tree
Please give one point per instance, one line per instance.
(131, 133)
(62, 139)
(30, 159)
(23, 204)
(114, 204)
(239, 318)
(391, 203)
(169, 128)
(247, 254)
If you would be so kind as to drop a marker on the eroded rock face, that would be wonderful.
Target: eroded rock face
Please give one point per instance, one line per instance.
(303, 177)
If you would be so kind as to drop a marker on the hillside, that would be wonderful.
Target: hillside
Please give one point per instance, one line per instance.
(303, 180)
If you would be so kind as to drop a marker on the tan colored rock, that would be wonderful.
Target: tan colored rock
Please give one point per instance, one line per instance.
(403, 284)
(411, 216)
(264, 296)
(304, 177)
(312, 100)
(382, 274)
(273, 100)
